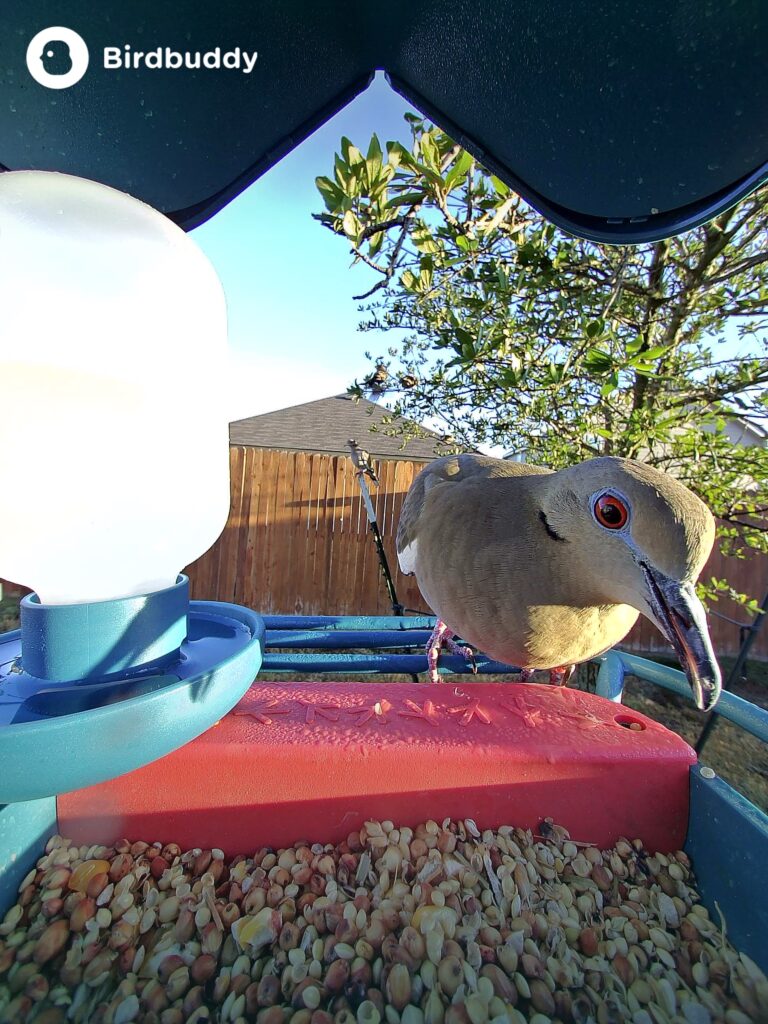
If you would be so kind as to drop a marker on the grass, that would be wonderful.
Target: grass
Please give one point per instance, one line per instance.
(9, 613)
(740, 759)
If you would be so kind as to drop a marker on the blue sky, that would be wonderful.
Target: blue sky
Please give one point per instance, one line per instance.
(288, 282)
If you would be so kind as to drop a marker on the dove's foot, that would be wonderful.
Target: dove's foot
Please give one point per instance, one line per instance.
(466, 652)
(560, 676)
(557, 676)
(442, 636)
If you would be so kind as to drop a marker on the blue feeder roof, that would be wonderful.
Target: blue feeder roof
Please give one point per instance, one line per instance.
(623, 122)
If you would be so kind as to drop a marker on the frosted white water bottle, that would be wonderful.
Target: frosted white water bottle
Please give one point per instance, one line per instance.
(114, 452)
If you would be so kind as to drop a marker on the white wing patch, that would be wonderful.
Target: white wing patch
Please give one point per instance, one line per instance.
(407, 559)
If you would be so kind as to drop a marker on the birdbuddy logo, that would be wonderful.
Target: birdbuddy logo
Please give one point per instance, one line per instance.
(57, 57)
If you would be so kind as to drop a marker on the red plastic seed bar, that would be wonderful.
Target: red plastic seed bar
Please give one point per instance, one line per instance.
(314, 761)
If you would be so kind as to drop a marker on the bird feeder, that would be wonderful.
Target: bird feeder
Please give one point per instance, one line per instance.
(129, 701)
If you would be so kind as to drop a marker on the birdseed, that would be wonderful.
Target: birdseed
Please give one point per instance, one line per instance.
(440, 924)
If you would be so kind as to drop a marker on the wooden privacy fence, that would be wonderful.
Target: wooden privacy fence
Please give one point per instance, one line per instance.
(297, 542)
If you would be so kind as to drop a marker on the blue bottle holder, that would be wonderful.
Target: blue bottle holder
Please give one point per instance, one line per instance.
(89, 692)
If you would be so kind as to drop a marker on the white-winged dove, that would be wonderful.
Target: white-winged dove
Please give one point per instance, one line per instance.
(545, 570)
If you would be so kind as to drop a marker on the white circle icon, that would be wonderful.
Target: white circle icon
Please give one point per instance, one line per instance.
(57, 57)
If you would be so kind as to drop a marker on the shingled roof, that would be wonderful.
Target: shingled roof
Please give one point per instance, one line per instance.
(327, 424)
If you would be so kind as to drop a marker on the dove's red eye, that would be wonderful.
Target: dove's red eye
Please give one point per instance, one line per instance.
(611, 512)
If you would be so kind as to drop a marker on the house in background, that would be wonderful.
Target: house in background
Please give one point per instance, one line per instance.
(326, 425)
(748, 433)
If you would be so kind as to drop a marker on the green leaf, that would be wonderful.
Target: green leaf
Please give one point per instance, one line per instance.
(644, 369)
(465, 243)
(465, 343)
(646, 359)
(352, 154)
(396, 153)
(655, 353)
(429, 153)
(374, 148)
(351, 225)
(331, 193)
(632, 347)
(526, 254)
(598, 361)
(408, 280)
(594, 328)
(373, 159)
(405, 199)
(432, 176)
(459, 169)
(341, 172)
(423, 239)
(499, 187)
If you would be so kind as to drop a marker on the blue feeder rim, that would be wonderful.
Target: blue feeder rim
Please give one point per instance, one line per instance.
(116, 684)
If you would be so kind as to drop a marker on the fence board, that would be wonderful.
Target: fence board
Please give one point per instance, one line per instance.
(347, 538)
(252, 545)
(245, 521)
(300, 514)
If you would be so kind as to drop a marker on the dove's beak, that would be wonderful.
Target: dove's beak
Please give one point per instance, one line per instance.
(680, 616)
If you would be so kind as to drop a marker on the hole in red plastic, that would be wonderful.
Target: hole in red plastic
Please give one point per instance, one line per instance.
(632, 724)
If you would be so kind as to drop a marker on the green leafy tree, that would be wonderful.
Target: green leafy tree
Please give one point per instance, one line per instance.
(512, 333)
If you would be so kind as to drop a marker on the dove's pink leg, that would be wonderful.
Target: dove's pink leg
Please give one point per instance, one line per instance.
(557, 676)
(442, 636)
(560, 676)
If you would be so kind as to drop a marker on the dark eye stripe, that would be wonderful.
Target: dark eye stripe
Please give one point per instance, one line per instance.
(552, 533)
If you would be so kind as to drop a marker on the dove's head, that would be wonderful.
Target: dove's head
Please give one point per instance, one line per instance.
(644, 539)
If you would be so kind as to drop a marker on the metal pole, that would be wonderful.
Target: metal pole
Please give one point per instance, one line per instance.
(734, 674)
(363, 467)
